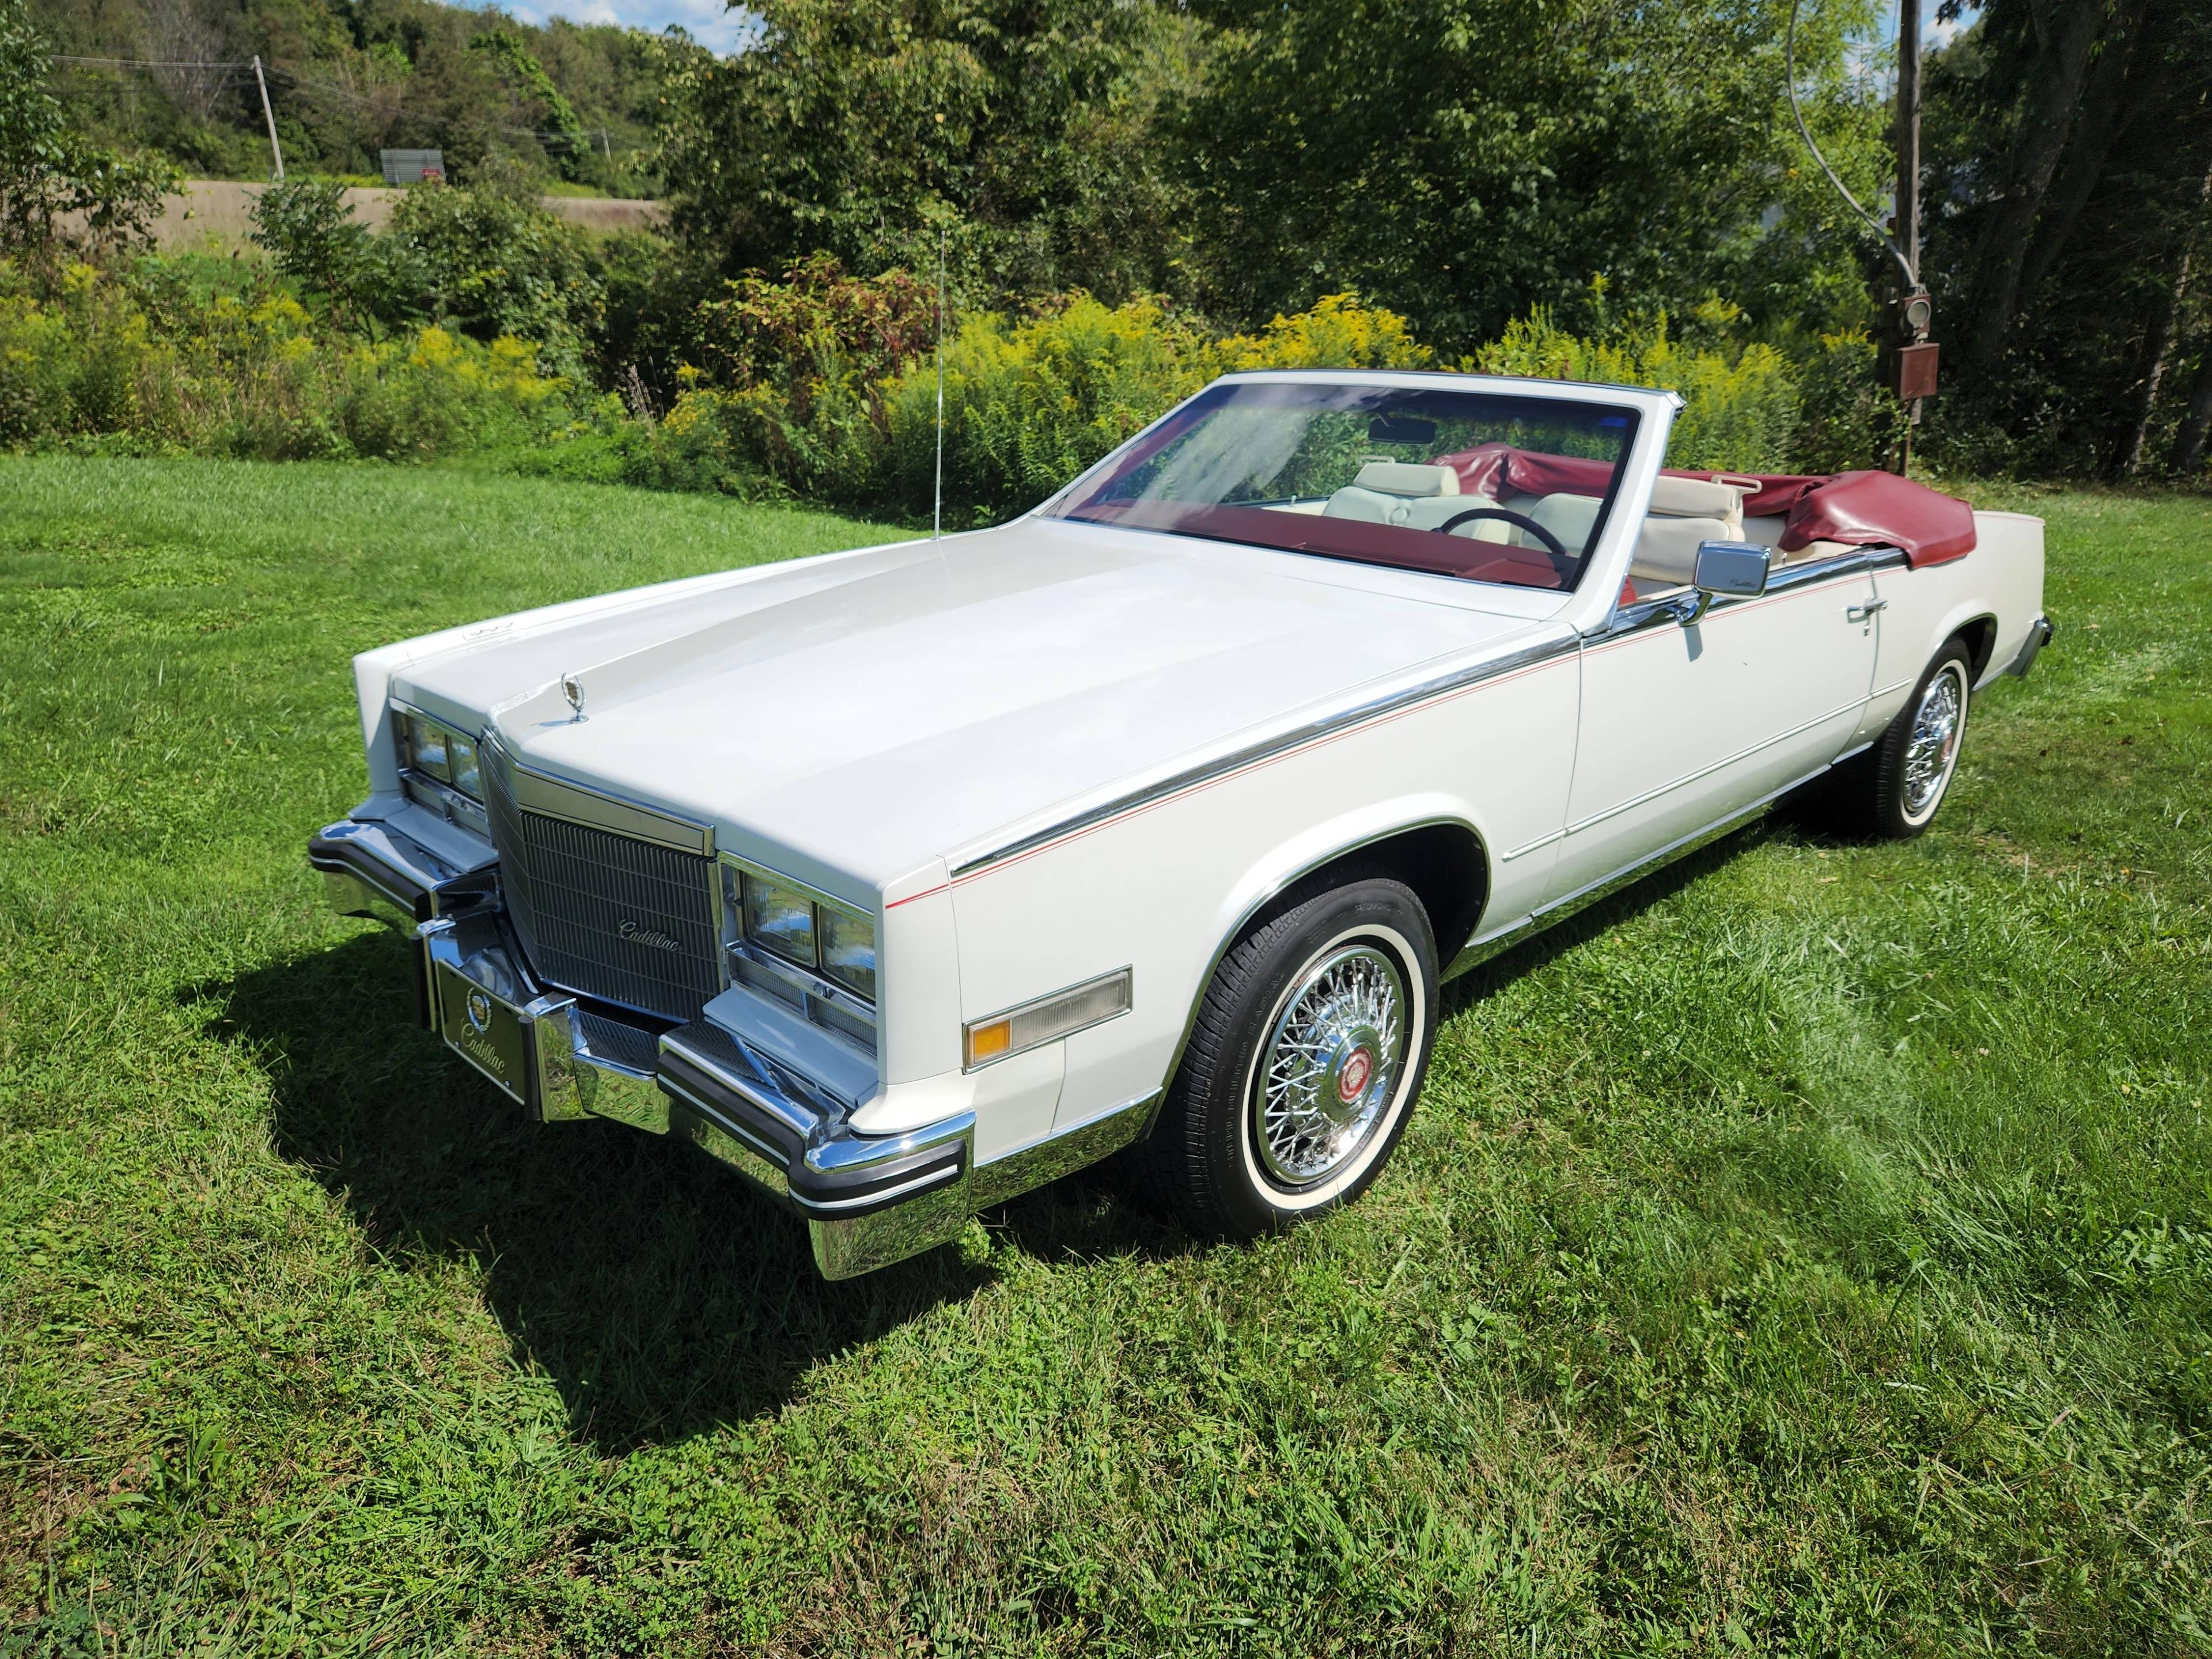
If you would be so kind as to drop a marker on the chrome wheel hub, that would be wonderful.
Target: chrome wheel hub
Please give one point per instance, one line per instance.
(1331, 1066)
(1933, 749)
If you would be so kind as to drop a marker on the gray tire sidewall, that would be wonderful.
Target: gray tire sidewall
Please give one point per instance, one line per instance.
(1359, 913)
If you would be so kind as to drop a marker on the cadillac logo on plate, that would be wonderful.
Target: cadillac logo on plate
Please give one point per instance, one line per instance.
(479, 1013)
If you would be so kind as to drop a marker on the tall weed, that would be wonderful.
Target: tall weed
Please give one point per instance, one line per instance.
(253, 375)
(1740, 408)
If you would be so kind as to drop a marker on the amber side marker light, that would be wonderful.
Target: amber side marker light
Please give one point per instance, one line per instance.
(1048, 1019)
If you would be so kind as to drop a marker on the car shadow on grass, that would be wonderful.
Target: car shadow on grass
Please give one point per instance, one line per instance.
(659, 1292)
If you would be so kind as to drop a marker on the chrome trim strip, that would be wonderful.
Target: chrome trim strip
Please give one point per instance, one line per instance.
(593, 807)
(1726, 761)
(450, 804)
(805, 985)
(1535, 845)
(1062, 1153)
(1784, 579)
(1326, 725)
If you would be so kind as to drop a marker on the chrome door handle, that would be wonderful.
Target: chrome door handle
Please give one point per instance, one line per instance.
(1861, 612)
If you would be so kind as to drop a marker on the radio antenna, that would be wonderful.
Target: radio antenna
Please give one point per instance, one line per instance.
(937, 509)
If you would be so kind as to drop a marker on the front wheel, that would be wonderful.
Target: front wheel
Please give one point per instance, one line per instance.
(1309, 1047)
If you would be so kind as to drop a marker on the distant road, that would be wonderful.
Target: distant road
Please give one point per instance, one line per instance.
(219, 212)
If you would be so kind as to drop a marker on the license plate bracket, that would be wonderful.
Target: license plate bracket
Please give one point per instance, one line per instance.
(489, 1034)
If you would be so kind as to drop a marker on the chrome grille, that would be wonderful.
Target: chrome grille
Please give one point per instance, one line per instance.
(579, 897)
(610, 1039)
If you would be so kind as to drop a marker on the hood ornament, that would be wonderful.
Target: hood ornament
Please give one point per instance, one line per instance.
(572, 689)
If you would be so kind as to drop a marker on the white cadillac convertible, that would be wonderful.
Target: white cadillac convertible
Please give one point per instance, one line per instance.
(905, 879)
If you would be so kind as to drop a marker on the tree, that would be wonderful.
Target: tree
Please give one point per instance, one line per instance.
(1464, 161)
(48, 172)
(523, 71)
(2069, 207)
(859, 127)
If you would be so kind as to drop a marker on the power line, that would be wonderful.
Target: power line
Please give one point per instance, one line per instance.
(151, 63)
(299, 82)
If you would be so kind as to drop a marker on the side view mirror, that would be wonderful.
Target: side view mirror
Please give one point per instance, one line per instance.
(1738, 569)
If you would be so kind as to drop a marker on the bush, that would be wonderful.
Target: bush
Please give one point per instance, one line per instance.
(825, 386)
(1029, 404)
(312, 237)
(1338, 333)
(49, 173)
(1740, 408)
(488, 261)
(253, 375)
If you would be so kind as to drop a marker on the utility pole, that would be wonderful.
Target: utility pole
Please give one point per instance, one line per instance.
(1908, 131)
(276, 154)
(1916, 354)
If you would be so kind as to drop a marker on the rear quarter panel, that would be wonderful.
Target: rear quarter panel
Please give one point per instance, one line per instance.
(2001, 579)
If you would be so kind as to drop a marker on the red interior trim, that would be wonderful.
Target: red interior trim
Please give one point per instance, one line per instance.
(1342, 538)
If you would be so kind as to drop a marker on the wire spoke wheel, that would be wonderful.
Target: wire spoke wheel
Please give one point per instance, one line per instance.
(1331, 1067)
(1932, 750)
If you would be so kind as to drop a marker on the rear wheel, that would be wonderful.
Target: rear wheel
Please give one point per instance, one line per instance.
(1309, 1047)
(1894, 790)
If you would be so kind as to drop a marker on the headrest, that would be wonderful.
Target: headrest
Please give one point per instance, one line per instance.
(1406, 479)
(1694, 498)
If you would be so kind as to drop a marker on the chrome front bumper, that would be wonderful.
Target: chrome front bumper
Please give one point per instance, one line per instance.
(868, 1201)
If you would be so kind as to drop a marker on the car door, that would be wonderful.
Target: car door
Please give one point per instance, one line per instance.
(1682, 726)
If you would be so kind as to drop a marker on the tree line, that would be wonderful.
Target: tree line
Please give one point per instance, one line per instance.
(1465, 163)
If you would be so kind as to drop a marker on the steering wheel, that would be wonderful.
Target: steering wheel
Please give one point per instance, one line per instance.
(1552, 544)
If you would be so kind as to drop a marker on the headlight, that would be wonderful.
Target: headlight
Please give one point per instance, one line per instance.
(461, 757)
(792, 923)
(439, 751)
(848, 949)
(426, 747)
(779, 919)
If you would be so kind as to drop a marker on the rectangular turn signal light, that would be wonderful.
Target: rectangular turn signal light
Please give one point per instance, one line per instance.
(1048, 1019)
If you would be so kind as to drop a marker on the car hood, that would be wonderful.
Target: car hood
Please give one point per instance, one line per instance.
(855, 718)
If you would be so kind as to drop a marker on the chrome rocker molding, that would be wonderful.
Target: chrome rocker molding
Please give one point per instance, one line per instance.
(868, 1201)
(1479, 950)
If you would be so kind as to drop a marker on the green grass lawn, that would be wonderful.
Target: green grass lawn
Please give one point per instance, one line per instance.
(1810, 1251)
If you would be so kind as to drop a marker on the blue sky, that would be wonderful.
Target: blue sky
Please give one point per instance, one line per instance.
(720, 27)
(709, 21)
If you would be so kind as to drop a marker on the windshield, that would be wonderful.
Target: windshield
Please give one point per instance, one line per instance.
(1480, 485)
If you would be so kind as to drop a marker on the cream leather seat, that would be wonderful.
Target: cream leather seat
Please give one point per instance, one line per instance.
(1568, 517)
(1400, 493)
(1685, 512)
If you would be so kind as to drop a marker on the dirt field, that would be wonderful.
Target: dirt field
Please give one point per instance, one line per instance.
(218, 213)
